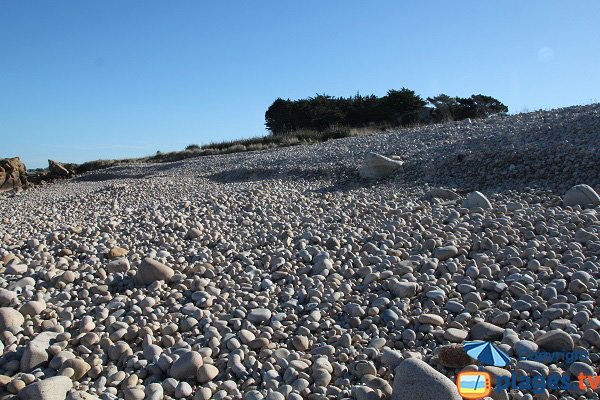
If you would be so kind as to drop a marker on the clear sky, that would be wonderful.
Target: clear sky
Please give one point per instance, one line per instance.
(83, 80)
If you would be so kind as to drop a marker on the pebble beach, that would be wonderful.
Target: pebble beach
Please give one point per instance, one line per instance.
(282, 274)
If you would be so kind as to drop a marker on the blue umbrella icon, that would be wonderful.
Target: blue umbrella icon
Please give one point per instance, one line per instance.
(487, 353)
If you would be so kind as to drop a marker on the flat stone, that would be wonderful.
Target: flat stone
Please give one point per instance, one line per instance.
(79, 366)
(7, 297)
(300, 342)
(441, 193)
(321, 377)
(445, 253)
(15, 269)
(486, 331)
(524, 347)
(579, 367)
(529, 366)
(378, 384)
(403, 289)
(134, 394)
(154, 391)
(431, 319)
(455, 335)
(183, 390)
(79, 395)
(259, 315)
(391, 358)
(246, 336)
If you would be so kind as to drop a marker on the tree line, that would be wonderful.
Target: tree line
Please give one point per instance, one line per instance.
(397, 108)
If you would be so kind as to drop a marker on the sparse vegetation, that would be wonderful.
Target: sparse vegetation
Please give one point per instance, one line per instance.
(323, 118)
(299, 137)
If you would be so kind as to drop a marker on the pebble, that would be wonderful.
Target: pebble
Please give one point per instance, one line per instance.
(290, 277)
(431, 319)
(259, 315)
(207, 373)
(154, 391)
(134, 394)
(445, 253)
(183, 390)
(485, 331)
(455, 335)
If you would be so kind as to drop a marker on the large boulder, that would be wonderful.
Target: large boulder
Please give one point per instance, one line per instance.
(476, 200)
(58, 170)
(582, 195)
(13, 174)
(416, 380)
(378, 166)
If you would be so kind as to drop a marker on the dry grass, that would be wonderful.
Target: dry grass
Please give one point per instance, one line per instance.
(295, 138)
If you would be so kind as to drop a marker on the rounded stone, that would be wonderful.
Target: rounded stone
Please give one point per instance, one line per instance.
(9, 318)
(206, 373)
(259, 315)
(151, 270)
(476, 199)
(416, 380)
(581, 195)
(555, 340)
(186, 366)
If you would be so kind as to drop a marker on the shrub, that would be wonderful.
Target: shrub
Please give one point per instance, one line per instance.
(193, 147)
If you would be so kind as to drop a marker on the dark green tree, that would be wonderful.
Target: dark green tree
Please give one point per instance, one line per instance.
(443, 107)
(487, 105)
(277, 115)
(402, 106)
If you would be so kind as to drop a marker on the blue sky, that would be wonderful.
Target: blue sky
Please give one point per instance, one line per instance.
(83, 80)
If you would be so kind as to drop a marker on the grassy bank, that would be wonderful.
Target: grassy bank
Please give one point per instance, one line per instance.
(235, 146)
